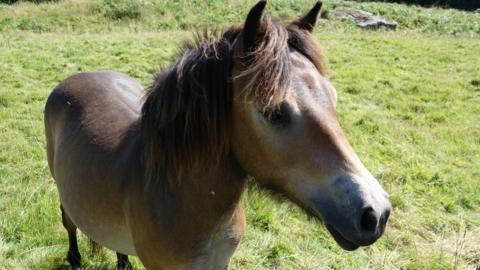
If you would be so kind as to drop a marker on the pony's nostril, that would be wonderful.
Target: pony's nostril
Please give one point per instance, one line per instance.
(369, 220)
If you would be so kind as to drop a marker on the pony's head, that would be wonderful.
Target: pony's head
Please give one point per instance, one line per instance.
(286, 132)
(258, 94)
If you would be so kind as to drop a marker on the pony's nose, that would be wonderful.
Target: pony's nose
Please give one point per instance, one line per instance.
(372, 223)
(368, 221)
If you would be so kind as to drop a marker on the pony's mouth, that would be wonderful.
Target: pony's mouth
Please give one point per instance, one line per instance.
(341, 241)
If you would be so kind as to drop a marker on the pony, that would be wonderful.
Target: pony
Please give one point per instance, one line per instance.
(160, 174)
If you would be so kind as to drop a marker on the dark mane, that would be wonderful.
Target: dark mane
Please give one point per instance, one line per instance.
(186, 116)
(186, 113)
(303, 42)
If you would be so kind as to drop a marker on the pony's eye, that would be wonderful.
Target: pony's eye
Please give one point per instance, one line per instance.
(278, 116)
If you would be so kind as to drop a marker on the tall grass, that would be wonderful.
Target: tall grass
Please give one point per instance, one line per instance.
(121, 9)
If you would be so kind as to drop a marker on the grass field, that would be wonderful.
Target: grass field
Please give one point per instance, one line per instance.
(409, 102)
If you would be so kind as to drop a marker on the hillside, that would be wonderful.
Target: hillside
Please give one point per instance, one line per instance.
(409, 102)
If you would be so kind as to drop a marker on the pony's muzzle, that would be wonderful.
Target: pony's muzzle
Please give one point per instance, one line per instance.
(370, 226)
(354, 210)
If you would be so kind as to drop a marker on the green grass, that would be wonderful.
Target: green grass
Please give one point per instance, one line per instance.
(160, 15)
(409, 102)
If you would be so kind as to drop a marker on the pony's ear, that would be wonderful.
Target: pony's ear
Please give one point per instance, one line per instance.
(252, 25)
(309, 20)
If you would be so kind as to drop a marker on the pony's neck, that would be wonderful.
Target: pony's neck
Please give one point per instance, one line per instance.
(192, 181)
(214, 192)
(204, 198)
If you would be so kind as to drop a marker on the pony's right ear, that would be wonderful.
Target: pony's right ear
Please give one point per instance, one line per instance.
(309, 20)
(252, 25)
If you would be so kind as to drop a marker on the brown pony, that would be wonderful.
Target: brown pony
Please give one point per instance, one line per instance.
(162, 179)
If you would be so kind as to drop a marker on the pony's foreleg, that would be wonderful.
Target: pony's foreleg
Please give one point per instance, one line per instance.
(227, 267)
(122, 262)
(73, 255)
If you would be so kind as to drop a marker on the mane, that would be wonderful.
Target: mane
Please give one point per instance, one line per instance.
(186, 116)
(303, 42)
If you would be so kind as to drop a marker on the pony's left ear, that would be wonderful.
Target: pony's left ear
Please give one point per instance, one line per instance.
(309, 20)
(252, 25)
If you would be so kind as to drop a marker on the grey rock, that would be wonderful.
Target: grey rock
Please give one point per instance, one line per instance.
(363, 18)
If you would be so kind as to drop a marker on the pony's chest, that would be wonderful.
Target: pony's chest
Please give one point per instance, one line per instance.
(218, 249)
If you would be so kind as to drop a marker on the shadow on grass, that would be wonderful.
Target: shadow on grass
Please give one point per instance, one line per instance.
(59, 262)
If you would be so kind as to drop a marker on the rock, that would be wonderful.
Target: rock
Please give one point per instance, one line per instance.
(363, 18)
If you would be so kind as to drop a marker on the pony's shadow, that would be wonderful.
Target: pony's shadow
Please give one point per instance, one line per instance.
(85, 266)
(60, 263)
(62, 267)
(57, 262)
